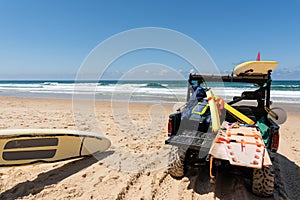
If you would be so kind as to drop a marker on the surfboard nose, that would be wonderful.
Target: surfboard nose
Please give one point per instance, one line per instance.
(94, 145)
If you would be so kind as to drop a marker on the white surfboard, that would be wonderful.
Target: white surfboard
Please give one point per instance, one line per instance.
(27, 146)
(255, 67)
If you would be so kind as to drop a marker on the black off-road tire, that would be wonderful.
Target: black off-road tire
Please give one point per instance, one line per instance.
(176, 166)
(263, 181)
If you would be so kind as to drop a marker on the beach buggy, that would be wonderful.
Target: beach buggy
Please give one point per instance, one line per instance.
(238, 135)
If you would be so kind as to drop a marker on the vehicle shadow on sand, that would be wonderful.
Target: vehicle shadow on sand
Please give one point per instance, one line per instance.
(232, 185)
(287, 177)
(52, 177)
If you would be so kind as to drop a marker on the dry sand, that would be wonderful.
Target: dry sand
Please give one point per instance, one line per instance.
(135, 166)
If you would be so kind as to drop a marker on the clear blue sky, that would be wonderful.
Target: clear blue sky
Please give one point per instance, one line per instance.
(50, 39)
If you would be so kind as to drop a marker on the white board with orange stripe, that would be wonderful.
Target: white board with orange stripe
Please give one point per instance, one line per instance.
(241, 146)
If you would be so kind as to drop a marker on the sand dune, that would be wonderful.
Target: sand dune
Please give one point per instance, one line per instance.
(135, 166)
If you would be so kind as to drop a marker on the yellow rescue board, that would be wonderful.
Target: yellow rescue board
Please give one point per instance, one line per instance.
(238, 114)
(255, 67)
(215, 118)
(27, 146)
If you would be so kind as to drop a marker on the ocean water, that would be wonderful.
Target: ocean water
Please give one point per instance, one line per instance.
(139, 91)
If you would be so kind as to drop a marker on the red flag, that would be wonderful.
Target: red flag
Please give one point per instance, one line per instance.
(258, 56)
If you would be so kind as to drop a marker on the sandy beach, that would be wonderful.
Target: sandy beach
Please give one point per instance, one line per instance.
(135, 165)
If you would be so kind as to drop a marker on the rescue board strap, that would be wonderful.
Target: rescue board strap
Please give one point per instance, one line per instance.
(228, 141)
(236, 113)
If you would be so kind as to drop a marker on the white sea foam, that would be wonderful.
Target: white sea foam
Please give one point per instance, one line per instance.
(143, 91)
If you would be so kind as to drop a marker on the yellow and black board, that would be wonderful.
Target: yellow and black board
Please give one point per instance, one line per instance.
(27, 146)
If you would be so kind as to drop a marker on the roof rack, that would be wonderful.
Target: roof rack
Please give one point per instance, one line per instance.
(258, 79)
(264, 81)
